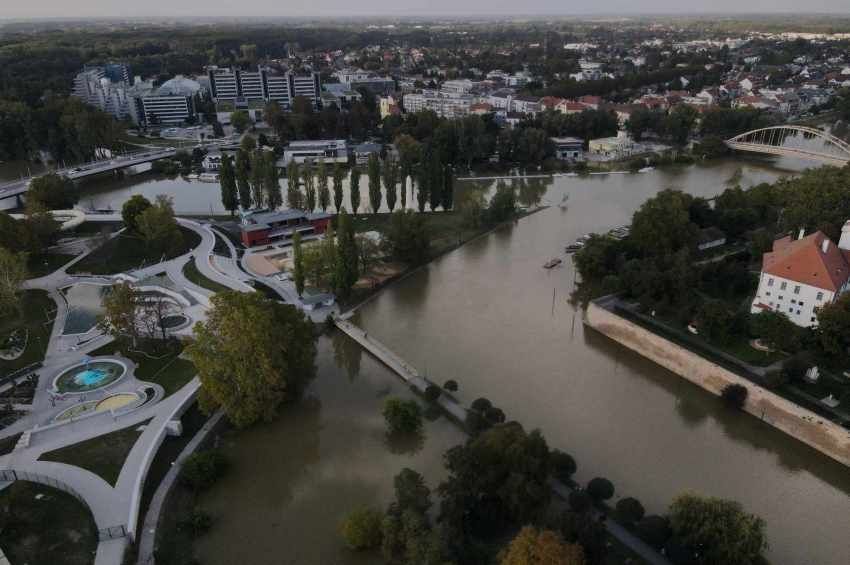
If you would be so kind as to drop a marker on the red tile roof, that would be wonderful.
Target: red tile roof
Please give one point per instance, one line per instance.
(805, 261)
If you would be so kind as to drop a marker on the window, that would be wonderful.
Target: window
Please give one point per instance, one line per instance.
(767, 293)
(770, 282)
(820, 296)
(793, 301)
(813, 318)
(790, 310)
(800, 304)
(783, 286)
(780, 297)
(797, 289)
(798, 312)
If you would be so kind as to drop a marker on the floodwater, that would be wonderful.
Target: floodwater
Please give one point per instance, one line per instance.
(488, 316)
(292, 482)
(85, 305)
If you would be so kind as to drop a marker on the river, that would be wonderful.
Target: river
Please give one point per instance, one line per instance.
(485, 315)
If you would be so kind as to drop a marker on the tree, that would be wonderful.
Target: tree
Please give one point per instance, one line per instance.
(131, 210)
(121, 312)
(243, 171)
(679, 123)
(719, 529)
(579, 501)
(271, 182)
(776, 330)
(347, 259)
(600, 489)
(229, 194)
(654, 530)
(833, 331)
(248, 144)
(258, 179)
(735, 395)
(409, 154)
(338, 176)
(159, 229)
(541, 547)
(563, 466)
(202, 469)
(240, 120)
(447, 195)
(324, 193)
(355, 190)
(251, 353)
(294, 197)
(450, 385)
(390, 179)
(373, 169)
(13, 273)
(629, 511)
(662, 225)
(309, 186)
(52, 191)
(361, 529)
(408, 237)
(715, 321)
(402, 416)
(411, 492)
(298, 263)
(644, 120)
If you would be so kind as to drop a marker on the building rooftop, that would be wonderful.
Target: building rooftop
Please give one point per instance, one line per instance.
(813, 260)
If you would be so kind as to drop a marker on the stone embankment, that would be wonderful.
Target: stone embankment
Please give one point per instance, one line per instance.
(810, 428)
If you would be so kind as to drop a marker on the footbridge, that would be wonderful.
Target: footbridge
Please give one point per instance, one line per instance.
(794, 141)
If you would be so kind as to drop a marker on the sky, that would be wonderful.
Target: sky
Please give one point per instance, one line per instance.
(344, 8)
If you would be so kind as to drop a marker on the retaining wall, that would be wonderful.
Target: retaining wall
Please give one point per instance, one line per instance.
(813, 430)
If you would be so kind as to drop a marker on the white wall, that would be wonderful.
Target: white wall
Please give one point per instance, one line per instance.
(798, 306)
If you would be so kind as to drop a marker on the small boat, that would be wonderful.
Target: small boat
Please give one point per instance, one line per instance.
(646, 170)
(573, 247)
(208, 177)
(551, 263)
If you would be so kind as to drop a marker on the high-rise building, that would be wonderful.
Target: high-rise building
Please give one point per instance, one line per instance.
(263, 85)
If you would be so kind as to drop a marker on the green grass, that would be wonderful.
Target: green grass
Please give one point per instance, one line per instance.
(43, 264)
(742, 349)
(128, 252)
(57, 528)
(104, 455)
(156, 362)
(7, 444)
(36, 309)
(191, 272)
(447, 228)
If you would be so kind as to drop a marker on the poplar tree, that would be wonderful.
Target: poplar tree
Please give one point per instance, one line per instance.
(355, 189)
(448, 188)
(272, 182)
(347, 267)
(294, 197)
(390, 179)
(374, 172)
(424, 184)
(229, 197)
(309, 186)
(243, 169)
(435, 178)
(338, 175)
(297, 263)
(324, 193)
(258, 179)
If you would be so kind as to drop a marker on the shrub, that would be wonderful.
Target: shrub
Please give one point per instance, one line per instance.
(481, 405)
(451, 385)
(402, 416)
(197, 523)
(202, 469)
(563, 465)
(361, 529)
(629, 511)
(654, 530)
(794, 369)
(494, 415)
(600, 489)
(579, 501)
(735, 395)
(475, 422)
(432, 393)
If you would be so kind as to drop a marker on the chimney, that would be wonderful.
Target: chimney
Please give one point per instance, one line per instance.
(844, 242)
(825, 245)
(802, 233)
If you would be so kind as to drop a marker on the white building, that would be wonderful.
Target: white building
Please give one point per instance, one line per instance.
(444, 106)
(263, 85)
(798, 277)
(617, 147)
(328, 150)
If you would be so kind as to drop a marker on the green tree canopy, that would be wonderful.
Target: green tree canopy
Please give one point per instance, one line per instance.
(13, 272)
(663, 225)
(52, 191)
(541, 547)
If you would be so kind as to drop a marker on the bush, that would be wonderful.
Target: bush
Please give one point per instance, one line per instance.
(654, 530)
(494, 415)
(481, 405)
(475, 422)
(451, 385)
(579, 501)
(794, 369)
(600, 489)
(196, 524)
(629, 511)
(432, 393)
(361, 529)
(735, 395)
(202, 469)
(402, 416)
(563, 465)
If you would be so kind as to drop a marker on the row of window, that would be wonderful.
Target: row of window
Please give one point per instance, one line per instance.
(784, 285)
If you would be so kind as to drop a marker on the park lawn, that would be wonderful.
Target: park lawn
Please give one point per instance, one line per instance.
(36, 314)
(103, 455)
(57, 528)
(164, 367)
(191, 272)
(42, 264)
(741, 349)
(127, 252)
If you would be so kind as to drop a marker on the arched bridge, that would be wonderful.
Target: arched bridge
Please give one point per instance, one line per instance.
(794, 141)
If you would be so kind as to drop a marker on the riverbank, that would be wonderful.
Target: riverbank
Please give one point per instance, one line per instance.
(815, 431)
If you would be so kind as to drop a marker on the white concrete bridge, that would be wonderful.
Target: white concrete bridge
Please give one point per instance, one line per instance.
(794, 141)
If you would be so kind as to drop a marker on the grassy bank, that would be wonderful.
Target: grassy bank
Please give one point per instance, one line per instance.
(35, 315)
(191, 272)
(127, 252)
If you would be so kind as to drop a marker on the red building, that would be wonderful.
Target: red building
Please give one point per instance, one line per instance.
(263, 228)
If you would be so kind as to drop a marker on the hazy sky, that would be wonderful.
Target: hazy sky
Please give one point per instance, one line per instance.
(165, 8)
